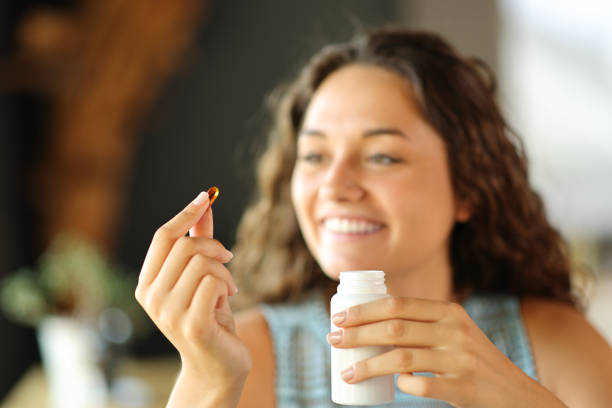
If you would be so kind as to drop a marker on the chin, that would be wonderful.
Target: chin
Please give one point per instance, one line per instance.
(331, 273)
(333, 270)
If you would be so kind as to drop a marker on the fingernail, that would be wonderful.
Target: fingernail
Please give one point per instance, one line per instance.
(348, 374)
(339, 317)
(201, 198)
(334, 337)
(233, 290)
(229, 254)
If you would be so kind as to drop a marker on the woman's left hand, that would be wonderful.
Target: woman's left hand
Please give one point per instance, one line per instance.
(440, 338)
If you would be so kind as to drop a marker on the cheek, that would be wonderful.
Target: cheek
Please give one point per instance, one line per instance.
(297, 192)
(423, 205)
(436, 211)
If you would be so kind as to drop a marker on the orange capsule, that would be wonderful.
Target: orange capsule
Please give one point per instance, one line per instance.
(213, 193)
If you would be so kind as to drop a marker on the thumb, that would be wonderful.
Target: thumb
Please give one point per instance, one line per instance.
(204, 226)
(224, 316)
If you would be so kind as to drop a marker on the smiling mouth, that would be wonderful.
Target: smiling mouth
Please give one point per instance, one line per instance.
(350, 226)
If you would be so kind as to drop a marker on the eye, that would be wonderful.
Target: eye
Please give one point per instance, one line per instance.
(312, 158)
(380, 158)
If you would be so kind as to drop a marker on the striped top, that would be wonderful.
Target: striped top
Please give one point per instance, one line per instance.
(303, 356)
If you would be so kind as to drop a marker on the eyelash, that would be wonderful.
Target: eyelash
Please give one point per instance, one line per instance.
(312, 158)
(377, 158)
(380, 158)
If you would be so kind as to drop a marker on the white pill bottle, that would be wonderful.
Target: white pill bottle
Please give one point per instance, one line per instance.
(357, 287)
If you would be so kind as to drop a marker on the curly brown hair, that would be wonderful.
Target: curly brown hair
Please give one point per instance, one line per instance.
(507, 246)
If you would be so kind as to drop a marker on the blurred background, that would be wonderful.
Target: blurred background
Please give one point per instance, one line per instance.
(114, 114)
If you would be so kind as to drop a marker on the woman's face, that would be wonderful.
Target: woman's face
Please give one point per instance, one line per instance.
(371, 185)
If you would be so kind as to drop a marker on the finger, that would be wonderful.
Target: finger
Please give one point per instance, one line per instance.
(184, 249)
(394, 332)
(204, 226)
(209, 296)
(422, 310)
(198, 267)
(441, 388)
(399, 360)
(225, 318)
(167, 234)
(180, 224)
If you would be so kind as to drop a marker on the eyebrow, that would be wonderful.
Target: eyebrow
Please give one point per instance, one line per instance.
(367, 133)
(384, 132)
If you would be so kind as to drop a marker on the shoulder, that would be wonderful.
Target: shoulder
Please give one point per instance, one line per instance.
(252, 329)
(572, 359)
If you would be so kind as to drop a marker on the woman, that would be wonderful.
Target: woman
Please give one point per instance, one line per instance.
(388, 152)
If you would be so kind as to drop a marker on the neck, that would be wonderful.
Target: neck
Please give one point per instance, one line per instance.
(430, 281)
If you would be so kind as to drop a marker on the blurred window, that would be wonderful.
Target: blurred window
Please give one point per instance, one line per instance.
(556, 84)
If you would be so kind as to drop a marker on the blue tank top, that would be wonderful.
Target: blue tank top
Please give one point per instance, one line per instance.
(302, 354)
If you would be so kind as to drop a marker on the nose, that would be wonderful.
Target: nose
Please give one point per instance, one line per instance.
(342, 182)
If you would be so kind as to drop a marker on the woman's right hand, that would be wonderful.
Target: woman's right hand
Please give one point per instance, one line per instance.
(183, 286)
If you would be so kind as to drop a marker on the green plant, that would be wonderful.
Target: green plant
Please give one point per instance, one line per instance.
(72, 278)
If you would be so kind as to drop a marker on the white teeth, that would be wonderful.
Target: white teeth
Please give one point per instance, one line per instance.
(347, 226)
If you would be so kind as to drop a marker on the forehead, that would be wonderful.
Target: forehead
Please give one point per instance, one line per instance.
(362, 95)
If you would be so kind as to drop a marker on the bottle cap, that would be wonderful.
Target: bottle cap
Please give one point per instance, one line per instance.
(362, 282)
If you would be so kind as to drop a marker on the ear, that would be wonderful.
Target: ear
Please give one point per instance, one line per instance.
(463, 210)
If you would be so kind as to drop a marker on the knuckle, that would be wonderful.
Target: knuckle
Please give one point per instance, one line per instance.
(455, 310)
(189, 213)
(395, 305)
(353, 313)
(199, 260)
(463, 336)
(209, 281)
(167, 320)
(163, 233)
(139, 294)
(362, 369)
(151, 306)
(202, 263)
(185, 244)
(396, 328)
(198, 274)
(468, 362)
(217, 244)
(405, 359)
